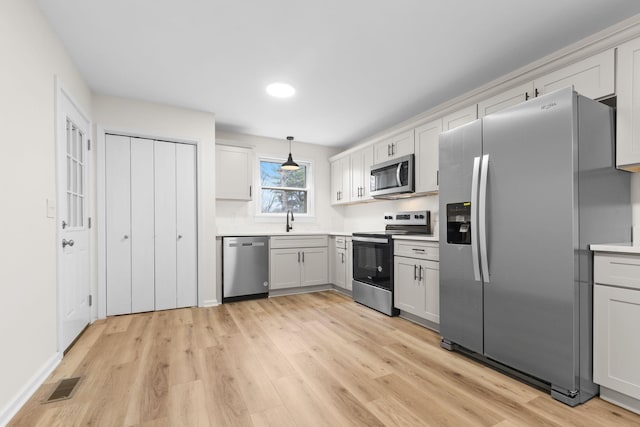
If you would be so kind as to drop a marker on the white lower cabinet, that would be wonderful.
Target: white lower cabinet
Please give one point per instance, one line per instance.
(340, 260)
(294, 267)
(417, 279)
(616, 316)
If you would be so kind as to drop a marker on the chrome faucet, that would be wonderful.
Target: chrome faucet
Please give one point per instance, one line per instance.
(289, 227)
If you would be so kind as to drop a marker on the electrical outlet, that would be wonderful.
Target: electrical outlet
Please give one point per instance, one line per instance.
(51, 208)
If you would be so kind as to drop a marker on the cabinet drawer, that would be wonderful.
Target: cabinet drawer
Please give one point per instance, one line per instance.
(416, 249)
(341, 242)
(300, 241)
(618, 270)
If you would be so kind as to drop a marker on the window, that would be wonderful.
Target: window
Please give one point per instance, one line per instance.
(282, 190)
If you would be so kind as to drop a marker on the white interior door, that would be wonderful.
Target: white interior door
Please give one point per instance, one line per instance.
(142, 226)
(118, 223)
(165, 225)
(72, 192)
(187, 251)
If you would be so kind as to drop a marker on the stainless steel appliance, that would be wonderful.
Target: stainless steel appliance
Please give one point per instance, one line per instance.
(245, 268)
(393, 179)
(525, 191)
(373, 259)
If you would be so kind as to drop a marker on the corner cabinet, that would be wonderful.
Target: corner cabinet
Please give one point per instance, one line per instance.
(394, 147)
(417, 278)
(628, 107)
(236, 162)
(427, 138)
(340, 181)
(616, 316)
(298, 261)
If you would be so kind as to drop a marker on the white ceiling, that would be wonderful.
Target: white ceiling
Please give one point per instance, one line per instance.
(358, 66)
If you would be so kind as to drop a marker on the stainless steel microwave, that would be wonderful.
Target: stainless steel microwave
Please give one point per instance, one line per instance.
(393, 179)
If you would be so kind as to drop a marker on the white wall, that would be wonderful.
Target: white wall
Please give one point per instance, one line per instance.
(31, 56)
(369, 216)
(239, 216)
(172, 123)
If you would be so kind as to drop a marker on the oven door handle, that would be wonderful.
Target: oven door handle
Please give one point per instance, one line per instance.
(369, 239)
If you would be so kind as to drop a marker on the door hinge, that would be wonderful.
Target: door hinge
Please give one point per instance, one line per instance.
(88, 144)
(90, 300)
(89, 222)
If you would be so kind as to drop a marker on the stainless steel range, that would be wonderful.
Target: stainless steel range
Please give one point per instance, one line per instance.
(373, 259)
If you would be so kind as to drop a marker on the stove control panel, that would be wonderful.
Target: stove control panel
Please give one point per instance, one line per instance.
(407, 218)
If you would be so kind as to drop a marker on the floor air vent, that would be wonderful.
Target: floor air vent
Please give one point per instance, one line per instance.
(64, 390)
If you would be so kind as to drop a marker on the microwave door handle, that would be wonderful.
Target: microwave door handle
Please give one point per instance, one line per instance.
(398, 174)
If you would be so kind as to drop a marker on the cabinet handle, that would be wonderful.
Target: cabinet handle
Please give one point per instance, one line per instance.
(388, 150)
(415, 272)
(438, 177)
(526, 96)
(342, 257)
(417, 250)
(393, 149)
(298, 257)
(536, 93)
(302, 256)
(420, 277)
(250, 191)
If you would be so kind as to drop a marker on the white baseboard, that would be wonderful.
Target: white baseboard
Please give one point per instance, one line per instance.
(210, 303)
(12, 408)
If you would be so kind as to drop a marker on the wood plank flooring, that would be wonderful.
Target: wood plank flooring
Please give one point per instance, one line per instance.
(305, 360)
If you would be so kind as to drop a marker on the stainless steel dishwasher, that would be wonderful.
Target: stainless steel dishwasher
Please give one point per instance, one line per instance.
(245, 268)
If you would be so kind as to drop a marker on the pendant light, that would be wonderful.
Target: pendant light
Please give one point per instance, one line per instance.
(290, 165)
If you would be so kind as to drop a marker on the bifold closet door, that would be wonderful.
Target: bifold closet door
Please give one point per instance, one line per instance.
(187, 252)
(165, 225)
(142, 226)
(118, 225)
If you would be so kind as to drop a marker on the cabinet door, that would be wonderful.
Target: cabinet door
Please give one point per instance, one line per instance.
(430, 281)
(165, 224)
(340, 271)
(186, 242)
(234, 167)
(628, 107)
(408, 291)
(367, 162)
(505, 99)
(349, 257)
(284, 268)
(593, 77)
(616, 348)
(356, 169)
(118, 224)
(382, 151)
(315, 268)
(426, 168)
(142, 226)
(460, 117)
(402, 144)
(340, 181)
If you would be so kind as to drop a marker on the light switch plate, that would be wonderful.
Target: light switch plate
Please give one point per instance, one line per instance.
(51, 208)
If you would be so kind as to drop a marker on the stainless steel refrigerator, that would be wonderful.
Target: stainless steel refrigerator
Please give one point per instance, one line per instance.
(523, 192)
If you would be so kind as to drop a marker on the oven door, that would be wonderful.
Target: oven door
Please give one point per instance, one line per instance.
(373, 261)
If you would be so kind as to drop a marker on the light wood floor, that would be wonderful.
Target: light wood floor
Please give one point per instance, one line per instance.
(304, 360)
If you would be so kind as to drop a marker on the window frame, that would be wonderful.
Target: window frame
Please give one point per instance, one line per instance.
(310, 189)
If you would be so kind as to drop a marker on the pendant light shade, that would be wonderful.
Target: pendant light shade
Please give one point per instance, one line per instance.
(290, 165)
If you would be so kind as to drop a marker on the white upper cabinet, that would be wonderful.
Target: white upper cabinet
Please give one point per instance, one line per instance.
(593, 77)
(360, 167)
(460, 117)
(394, 147)
(340, 181)
(236, 162)
(628, 107)
(426, 144)
(505, 99)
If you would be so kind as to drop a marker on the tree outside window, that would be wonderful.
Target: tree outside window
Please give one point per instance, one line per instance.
(283, 190)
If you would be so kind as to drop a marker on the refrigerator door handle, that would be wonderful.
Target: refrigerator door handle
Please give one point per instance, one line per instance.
(474, 218)
(482, 218)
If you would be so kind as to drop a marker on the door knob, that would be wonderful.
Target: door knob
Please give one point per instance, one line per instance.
(66, 243)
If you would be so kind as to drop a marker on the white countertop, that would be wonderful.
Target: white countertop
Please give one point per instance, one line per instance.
(415, 237)
(626, 248)
(275, 233)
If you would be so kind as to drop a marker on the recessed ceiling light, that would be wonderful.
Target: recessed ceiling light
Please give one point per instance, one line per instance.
(280, 90)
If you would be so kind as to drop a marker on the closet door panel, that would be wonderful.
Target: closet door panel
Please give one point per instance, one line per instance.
(187, 254)
(165, 225)
(118, 225)
(142, 226)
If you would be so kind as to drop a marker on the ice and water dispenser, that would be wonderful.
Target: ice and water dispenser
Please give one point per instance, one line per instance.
(459, 223)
